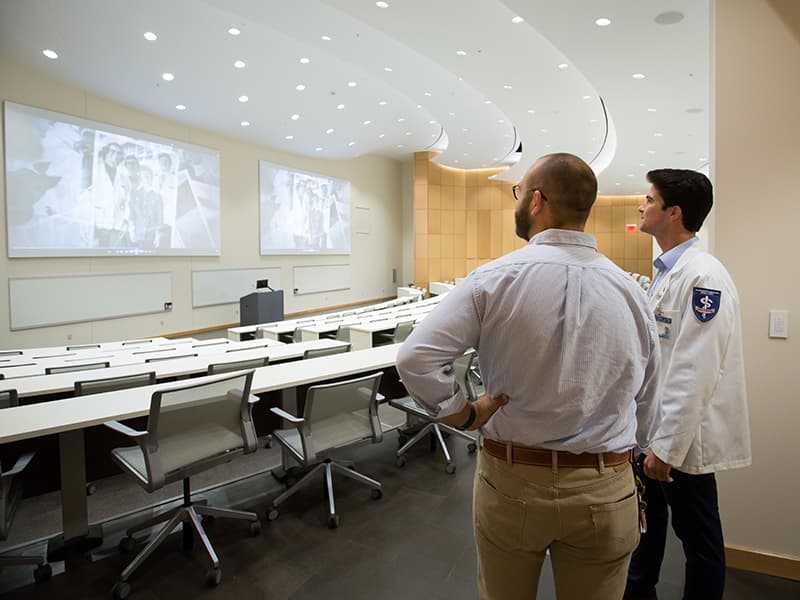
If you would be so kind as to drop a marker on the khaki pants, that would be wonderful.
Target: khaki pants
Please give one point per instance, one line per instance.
(587, 518)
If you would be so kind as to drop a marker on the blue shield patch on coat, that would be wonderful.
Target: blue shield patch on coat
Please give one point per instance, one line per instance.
(705, 303)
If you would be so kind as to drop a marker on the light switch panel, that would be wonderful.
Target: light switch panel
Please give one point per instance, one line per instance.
(779, 324)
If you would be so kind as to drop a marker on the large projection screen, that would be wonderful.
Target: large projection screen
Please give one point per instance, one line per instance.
(302, 213)
(79, 188)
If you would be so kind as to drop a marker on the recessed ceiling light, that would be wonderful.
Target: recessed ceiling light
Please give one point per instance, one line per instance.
(400, 146)
(180, 106)
(487, 101)
(305, 61)
(465, 130)
(340, 106)
(329, 131)
(351, 84)
(506, 87)
(367, 122)
(651, 110)
(594, 139)
(401, 119)
(431, 122)
(469, 143)
(408, 133)
(452, 114)
(563, 66)
(638, 75)
(245, 123)
(327, 38)
(318, 148)
(703, 159)
(466, 154)
(150, 36)
(501, 121)
(351, 143)
(516, 20)
(426, 94)
(382, 102)
(461, 52)
(547, 145)
(658, 134)
(239, 64)
(295, 117)
(651, 151)
(382, 4)
(50, 54)
(387, 69)
(630, 174)
(618, 183)
(381, 135)
(531, 111)
(234, 31)
(167, 76)
(543, 130)
(586, 97)
(243, 99)
(603, 22)
(456, 161)
(641, 164)
(289, 137)
(592, 120)
(299, 87)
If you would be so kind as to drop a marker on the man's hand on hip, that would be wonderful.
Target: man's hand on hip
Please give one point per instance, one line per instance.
(657, 469)
(485, 407)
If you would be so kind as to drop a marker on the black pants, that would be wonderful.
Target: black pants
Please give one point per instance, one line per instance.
(695, 519)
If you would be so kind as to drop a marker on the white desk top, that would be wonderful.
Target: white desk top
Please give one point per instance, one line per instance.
(64, 382)
(34, 420)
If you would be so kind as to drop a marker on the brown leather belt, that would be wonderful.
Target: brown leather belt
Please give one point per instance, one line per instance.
(544, 458)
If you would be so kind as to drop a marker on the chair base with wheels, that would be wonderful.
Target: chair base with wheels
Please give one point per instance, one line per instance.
(43, 571)
(434, 428)
(345, 468)
(189, 515)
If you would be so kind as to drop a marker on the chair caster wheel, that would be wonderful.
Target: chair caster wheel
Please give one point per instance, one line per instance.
(268, 442)
(42, 573)
(120, 590)
(333, 521)
(400, 461)
(376, 494)
(472, 447)
(90, 489)
(127, 544)
(255, 528)
(450, 468)
(272, 514)
(214, 577)
(401, 440)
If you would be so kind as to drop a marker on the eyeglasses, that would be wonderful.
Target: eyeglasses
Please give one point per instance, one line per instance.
(516, 188)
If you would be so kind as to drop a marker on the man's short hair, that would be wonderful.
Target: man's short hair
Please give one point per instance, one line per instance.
(690, 190)
(569, 184)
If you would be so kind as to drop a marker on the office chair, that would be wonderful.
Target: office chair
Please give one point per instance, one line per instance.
(434, 427)
(401, 331)
(317, 352)
(237, 365)
(343, 333)
(159, 358)
(71, 368)
(349, 417)
(83, 347)
(10, 495)
(203, 424)
(10, 352)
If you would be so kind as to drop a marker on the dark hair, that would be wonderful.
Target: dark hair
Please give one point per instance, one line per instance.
(690, 190)
(569, 184)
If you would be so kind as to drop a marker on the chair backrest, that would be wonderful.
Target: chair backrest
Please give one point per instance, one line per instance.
(343, 397)
(71, 368)
(343, 333)
(83, 347)
(297, 336)
(317, 352)
(195, 426)
(8, 398)
(464, 375)
(158, 358)
(11, 491)
(109, 384)
(402, 331)
(10, 352)
(131, 342)
(237, 365)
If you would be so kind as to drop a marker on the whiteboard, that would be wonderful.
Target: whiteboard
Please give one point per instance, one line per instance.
(43, 301)
(226, 286)
(314, 279)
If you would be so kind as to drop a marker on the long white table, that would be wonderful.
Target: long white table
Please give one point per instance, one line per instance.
(69, 417)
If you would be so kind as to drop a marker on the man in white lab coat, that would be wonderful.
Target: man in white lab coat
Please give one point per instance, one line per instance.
(705, 424)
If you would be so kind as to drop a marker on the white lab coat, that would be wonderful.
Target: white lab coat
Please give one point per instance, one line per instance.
(705, 426)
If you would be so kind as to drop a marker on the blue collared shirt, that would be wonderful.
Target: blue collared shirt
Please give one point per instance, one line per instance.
(561, 330)
(666, 261)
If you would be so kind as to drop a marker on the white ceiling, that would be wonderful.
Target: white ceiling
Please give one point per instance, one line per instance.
(434, 97)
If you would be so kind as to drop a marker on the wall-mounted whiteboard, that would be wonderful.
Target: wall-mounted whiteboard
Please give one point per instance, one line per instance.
(226, 286)
(314, 279)
(43, 301)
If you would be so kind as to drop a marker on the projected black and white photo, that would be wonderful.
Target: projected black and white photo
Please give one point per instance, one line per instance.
(303, 213)
(79, 188)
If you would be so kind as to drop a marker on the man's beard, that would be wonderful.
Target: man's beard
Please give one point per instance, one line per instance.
(522, 221)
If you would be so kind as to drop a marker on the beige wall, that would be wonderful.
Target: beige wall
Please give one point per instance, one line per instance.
(463, 219)
(376, 184)
(755, 159)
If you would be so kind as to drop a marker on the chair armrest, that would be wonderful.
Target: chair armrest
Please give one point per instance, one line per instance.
(284, 415)
(380, 398)
(20, 465)
(125, 430)
(252, 399)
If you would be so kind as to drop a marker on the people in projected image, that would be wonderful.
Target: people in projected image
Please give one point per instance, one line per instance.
(146, 212)
(106, 194)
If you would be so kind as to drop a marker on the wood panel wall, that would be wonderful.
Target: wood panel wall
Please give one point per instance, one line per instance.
(463, 219)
